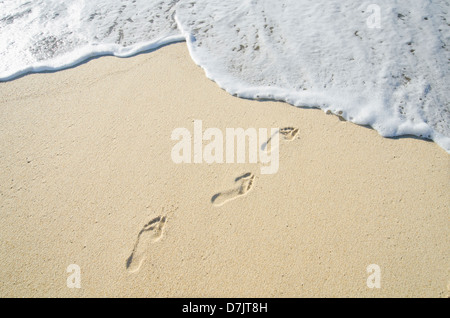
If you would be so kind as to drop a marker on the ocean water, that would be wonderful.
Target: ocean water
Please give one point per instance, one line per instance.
(383, 65)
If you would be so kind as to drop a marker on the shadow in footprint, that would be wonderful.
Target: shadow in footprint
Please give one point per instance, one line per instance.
(150, 233)
(244, 176)
(246, 184)
(266, 144)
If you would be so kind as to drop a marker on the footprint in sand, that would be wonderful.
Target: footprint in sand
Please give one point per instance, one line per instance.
(246, 184)
(289, 134)
(150, 233)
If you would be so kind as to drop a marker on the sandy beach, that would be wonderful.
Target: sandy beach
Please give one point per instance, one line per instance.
(87, 178)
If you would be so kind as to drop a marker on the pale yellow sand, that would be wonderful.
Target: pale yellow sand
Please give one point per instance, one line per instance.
(86, 178)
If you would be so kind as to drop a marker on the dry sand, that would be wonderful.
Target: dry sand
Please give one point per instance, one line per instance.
(85, 161)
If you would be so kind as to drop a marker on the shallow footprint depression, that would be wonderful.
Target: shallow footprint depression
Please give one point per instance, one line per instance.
(150, 233)
(246, 183)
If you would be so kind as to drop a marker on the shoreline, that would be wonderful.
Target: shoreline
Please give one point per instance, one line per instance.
(88, 179)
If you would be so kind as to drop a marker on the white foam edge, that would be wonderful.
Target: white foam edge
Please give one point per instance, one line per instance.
(87, 52)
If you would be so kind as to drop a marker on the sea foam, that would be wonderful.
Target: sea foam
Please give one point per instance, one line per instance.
(325, 54)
